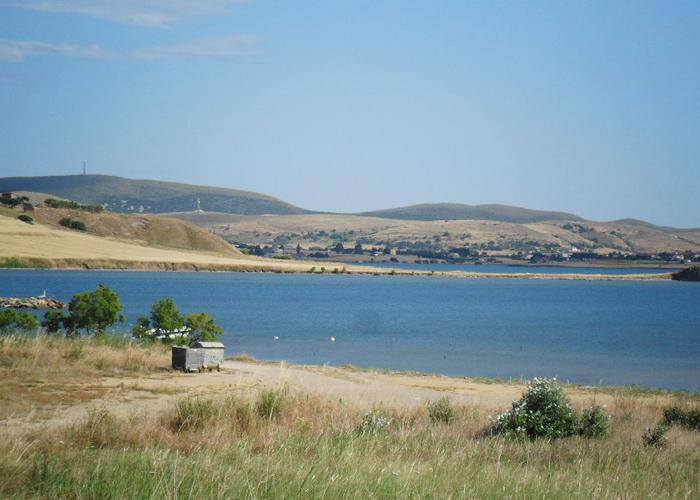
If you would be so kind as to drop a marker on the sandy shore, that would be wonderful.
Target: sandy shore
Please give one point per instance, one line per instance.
(129, 394)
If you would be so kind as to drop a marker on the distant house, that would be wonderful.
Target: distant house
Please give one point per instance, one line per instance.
(27, 207)
(8, 196)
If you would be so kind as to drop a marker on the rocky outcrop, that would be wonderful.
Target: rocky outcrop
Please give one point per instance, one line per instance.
(31, 303)
(688, 274)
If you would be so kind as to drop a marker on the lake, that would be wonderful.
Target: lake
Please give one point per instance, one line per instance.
(588, 332)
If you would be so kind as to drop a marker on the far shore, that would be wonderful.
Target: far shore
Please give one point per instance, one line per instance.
(298, 267)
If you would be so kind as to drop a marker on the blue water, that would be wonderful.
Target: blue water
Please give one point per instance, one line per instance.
(510, 269)
(590, 332)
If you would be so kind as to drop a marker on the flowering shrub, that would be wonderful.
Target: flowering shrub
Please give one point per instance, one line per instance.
(372, 423)
(542, 412)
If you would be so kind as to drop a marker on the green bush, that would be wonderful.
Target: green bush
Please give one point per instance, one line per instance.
(192, 413)
(271, 404)
(686, 417)
(25, 218)
(542, 412)
(72, 224)
(12, 321)
(441, 411)
(594, 422)
(655, 437)
(372, 423)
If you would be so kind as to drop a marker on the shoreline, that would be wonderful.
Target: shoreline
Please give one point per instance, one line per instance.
(244, 359)
(267, 266)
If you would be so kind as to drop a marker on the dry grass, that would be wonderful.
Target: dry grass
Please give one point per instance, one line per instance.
(40, 371)
(153, 231)
(290, 444)
(209, 449)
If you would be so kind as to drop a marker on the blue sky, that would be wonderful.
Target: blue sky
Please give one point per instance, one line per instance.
(589, 107)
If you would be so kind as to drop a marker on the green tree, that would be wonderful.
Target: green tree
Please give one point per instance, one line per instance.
(202, 328)
(140, 329)
(358, 249)
(23, 321)
(26, 322)
(7, 319)
(165, 316)
(53, 321)
(94, 311)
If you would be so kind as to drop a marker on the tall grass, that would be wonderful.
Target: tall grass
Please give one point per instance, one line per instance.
(228, 447)
(312, 450)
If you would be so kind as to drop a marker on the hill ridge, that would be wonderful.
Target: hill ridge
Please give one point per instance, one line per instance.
(463, 211)
(125, 195)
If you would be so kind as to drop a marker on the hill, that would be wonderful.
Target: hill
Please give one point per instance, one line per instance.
(325, 230)
(42, 245)
(458, 211)
(147, 230)
(136, 195)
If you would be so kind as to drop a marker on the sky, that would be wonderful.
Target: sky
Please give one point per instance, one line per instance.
(588, 107)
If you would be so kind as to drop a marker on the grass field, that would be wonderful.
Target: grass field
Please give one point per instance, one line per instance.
(252, 441)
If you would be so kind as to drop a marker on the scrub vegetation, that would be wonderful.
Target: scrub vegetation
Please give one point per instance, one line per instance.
(252, 442)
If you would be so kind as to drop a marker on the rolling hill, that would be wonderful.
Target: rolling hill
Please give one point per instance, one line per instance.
(135, 195)
(458, 211)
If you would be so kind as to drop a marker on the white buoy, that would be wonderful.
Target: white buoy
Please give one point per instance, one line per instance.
(276, 337)
(332, 339)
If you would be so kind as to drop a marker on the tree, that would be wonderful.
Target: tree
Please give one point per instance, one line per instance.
(202, 328)
(17, 321)
(339, 248)
(26, 322)
(140, 329)
(54, 320)
(95, 311)
(165, 316)
(358, 249)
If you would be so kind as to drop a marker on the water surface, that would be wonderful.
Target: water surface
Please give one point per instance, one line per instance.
(588, 332)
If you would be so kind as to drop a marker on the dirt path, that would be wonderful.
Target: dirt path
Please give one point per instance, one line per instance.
(124, 396)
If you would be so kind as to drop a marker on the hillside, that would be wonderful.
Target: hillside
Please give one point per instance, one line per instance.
(134, 195)
(323, 230)
(41, 245)
(141, 229)
(458, 211)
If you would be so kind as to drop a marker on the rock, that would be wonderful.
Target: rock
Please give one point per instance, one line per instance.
(31, 303)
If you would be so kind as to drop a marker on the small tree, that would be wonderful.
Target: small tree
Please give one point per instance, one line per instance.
(94, 311)
(17, 321)
(140, 329)
(202, 328)
(165, 316)
(54, 321)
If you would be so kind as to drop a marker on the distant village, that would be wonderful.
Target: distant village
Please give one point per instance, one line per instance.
(458, 255)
